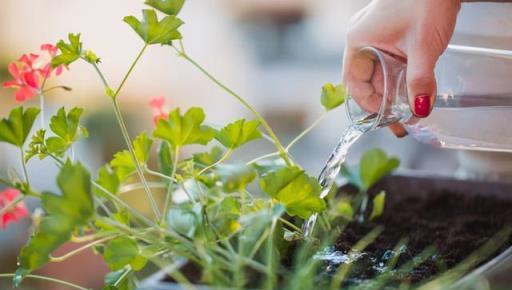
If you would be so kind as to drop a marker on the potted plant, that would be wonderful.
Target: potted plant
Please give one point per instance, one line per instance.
(223, 224)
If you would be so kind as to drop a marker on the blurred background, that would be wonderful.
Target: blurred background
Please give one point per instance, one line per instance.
(276, 53)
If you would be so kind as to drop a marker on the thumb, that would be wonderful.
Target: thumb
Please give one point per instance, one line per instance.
(421, 82)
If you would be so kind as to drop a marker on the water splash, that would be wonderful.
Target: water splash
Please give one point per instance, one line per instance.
(333, 166)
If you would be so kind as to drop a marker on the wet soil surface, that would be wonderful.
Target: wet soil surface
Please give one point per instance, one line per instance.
(456, 223)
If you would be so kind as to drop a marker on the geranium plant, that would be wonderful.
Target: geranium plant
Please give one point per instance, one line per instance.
(224, 226)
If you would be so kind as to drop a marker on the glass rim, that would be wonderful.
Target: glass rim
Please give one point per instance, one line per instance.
(379, 54)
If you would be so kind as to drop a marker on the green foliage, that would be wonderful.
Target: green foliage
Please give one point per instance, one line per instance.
(238, 133)
(107, 179)
(91, 57)
(153, 31)
(185, 219)
(180, 130)
(15, 129)
(373, 166)
(37, 146)
(69, 52)
(67, 130)
(169, 7)
(235, 177)
(123, 279)
(123, 251)
(379, 201)
(165, 158)
(66, 212)
(123, 164)
(342, 208)
(208, 158)
(297, 191)
(332, 96)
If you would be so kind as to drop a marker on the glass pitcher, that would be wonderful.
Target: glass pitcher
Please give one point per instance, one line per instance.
(472, 110)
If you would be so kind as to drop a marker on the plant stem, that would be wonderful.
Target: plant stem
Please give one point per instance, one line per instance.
(5, 182)
(50, 279)
(24, 166)
(41, 106)
(124, 131)
(134, 63)
(292, 226)
(100, 74)
(222, 159)
(305, 132)
(171, 184)
(270, 273)
(263, 157)
(79, 250)
(158, 174)
(11, 204)
(124, 204)
(128, 142)
(264, 123)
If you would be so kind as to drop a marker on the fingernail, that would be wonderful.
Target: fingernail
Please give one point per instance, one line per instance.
(422, 105)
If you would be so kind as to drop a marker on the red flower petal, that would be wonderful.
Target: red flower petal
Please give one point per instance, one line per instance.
(31, 80)
(11, 84)
(52, 49)
(24, 93)
(18, 212)
(157, 103)
(13, 70)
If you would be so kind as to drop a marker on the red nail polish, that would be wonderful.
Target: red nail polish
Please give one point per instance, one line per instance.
(422, 105)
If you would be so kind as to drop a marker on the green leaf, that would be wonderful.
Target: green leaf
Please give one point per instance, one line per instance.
(69, 52)
(235, 177)
(57, 146)
(123, 164)
(267, 165)
(332, 96)
(108, 180)
(224, 215)
(169, 7)
(374, 165)
(184, 220)
(342, 208)
(37, 146)
(66, 125)
(379, 201)
(165, 158)
(153, 31)
(123, 279)
(15, 129)
(66, 212)
(297, 191)
(120, 252)
(181, 130)
(208, 158)
(238, 133)
(91, 57)
(67, 130)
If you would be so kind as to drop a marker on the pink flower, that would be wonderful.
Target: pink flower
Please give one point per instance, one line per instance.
(25, 80)
(30, 71)
(52, 51)
(17, 212)
(160, 110)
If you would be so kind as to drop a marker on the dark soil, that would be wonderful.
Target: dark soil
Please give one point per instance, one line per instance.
(455, 221)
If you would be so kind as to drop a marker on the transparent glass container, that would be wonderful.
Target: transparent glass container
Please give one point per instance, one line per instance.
(472, 109)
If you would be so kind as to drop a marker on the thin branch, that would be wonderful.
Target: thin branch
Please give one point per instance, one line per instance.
(45, 278)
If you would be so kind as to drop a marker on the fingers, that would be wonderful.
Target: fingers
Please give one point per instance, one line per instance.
(363, 79)
(421, 82)
(398, 129)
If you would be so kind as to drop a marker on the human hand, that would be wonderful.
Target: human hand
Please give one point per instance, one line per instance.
(417, 31)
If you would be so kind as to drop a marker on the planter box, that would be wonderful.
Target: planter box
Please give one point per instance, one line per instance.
(496, 271)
